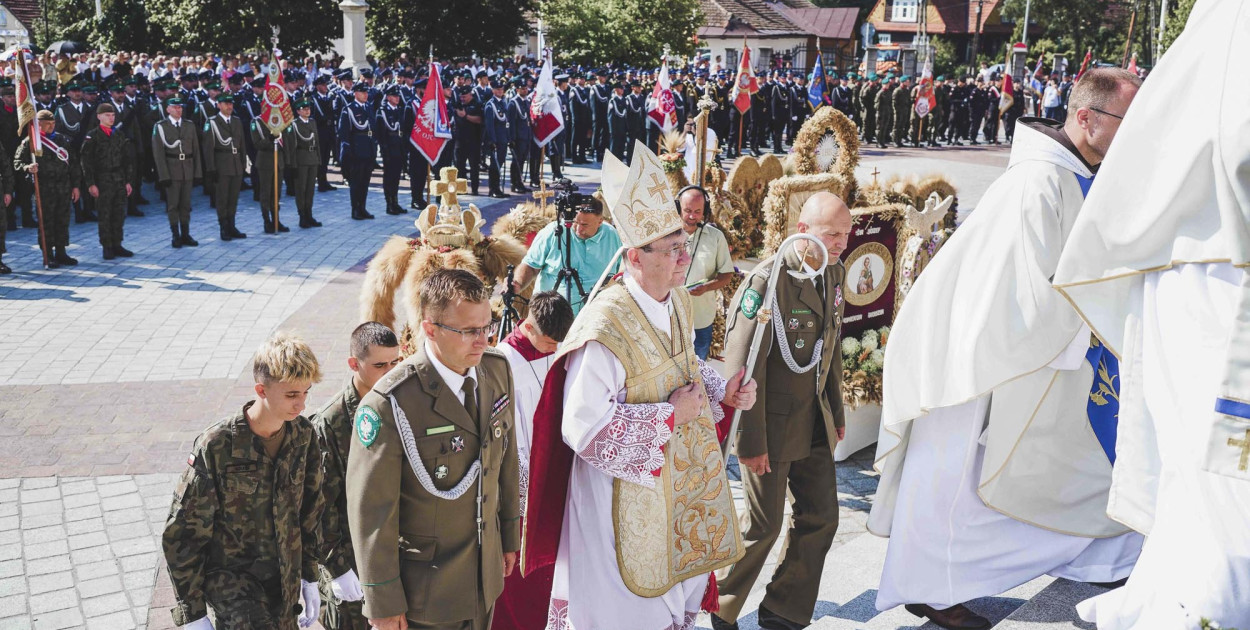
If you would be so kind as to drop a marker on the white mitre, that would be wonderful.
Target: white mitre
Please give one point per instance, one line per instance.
(639, 197)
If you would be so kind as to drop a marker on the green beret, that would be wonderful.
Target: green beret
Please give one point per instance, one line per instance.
(872, 76)
(940, 78)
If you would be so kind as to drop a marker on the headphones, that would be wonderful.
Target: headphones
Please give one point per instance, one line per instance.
(707, 203)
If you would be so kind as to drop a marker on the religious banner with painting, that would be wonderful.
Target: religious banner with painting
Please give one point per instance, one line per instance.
(869, 289)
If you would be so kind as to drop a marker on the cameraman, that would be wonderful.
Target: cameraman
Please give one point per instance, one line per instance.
(590, 249)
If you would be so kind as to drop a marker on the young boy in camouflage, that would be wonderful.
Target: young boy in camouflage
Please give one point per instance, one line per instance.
(242, 534)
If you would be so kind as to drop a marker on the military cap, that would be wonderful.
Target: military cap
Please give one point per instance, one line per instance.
(940, 78)
(406, 74)
(225, 97)
(677, 82)
(889, 76)
(188, 77)
(206, 74)
(321, 80)
(366, 73)
(117, 86)
(392, 91)
(872, 76)
(360, 86)
(480, 74)
(302, 103)
(73, 85)
(174, 100)
(45, 114)
(214, 85)
(106, 108)
(635, 83)
(258, 82)
(44, 87)
(906, 77)
(235, 79)
(91, 88)
(497, 84)
(422, 82)
(343, 75)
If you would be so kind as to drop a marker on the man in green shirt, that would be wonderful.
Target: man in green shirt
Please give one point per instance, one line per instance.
(593, 243)
(710, 268)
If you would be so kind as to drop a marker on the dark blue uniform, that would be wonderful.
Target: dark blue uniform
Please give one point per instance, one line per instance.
(394, 145)
(358, 149)
(495, 139)
(468, 135)
(521, 137)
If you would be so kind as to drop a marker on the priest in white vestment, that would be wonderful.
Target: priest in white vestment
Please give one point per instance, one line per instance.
(1156, 265)
(530, 349)
(995, 453)
(628, 495)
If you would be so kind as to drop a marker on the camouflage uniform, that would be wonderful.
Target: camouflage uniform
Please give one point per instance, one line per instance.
(243, 529)
(57, 179)
(108, 164)
(333, 426)
(868, 110)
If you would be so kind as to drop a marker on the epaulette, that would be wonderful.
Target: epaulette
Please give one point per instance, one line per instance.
(395, 377)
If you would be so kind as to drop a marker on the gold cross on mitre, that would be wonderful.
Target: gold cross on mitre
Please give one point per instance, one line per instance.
(658, 187)
(448, 185)
(543, 194)
(1244, 445)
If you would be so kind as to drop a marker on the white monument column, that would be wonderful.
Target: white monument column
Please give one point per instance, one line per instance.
(353, 49)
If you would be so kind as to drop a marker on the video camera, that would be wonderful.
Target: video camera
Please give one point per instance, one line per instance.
(569, 201)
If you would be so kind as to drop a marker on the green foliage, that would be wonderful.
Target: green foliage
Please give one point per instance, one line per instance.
(123, 27)
(244, 25)
(1175, 23)
(70, 20)
(945, 59)
(599, 31)
(1073, 25)
(454, 28)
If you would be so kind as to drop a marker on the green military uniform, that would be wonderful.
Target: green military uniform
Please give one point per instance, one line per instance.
(305, 149)
(6, 188)
(266, 152)
(333, 426)
(58, 177)
(108, 163)
(243, 528)
(868, 109)
(225, 147)
(902, 97)
(176, 152)
(794, 421)
(421, 554)
(885, 114)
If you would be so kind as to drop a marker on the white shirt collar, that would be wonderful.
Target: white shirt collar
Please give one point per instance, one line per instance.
(657, 312)
(449, 376)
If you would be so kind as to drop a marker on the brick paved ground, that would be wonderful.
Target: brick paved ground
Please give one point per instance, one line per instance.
(112, 368)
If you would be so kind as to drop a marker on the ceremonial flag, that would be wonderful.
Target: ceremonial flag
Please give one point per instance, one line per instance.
(276, 109)
(26, 102)
(1084, 64)
(816, 89)
(545, 110)
(1132, 64)
(432, 128)
(925, 99)
(1006, 100)
(661, 109)
(1037, 72)
(745, 84)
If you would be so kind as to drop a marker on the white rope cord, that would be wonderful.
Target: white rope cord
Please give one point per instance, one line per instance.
(786, 355)
(418, 466)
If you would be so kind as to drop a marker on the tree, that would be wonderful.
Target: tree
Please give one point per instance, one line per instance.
(124, 27)
(1176, 22)
(68, 20)
(621, 31)
(455, 28)
(945, 59)
(242, 25)
(1073, 24)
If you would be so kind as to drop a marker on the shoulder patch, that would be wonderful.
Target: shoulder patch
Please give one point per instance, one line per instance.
(367, 425)
(751, 302)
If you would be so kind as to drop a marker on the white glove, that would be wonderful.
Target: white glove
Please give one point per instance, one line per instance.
(312, 603)
(347, 587)
(199, 624)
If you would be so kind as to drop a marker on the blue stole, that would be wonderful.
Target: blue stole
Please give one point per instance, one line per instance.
(1103, 407)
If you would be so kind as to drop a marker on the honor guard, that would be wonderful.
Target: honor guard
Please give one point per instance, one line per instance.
(394, 146)
(129, 122)
(108, 164)
(467, 129)
(358, 147)
(225, 152)
(884, 104)
(176, 151)
(324, 116)
(269, 150)
(73, 119)
(57, 168)
(305, 160)
(600, 94)
(495, 137)
(418, 166)
(579, 102)
(618, 122)
(525, 154)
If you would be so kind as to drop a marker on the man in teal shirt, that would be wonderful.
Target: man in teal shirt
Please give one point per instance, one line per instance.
(593, 245)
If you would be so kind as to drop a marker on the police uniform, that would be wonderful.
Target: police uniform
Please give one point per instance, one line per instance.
(795, 422)
(495, 137)
(304, 144)
(333, 427)
(358, 149)
(176, 151)
(618, 126)
(779, 105)
(418, 166)
(394, 147)
(468, 136)
(243, 528)
(108, 164)
(324, 115)
(600, 94)
(525, 154)
(224, 153)
(429, 539)
(579, 104)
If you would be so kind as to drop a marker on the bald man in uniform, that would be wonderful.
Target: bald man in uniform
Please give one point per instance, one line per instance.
(788, 437)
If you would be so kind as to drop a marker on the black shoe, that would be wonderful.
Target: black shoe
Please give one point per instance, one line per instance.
(957, 617)
(974, 143)
(269, 227)
(235, 233)
(4, 269)
(417, 204)
(108, 253)
(900, 145)
(283, 228)
(63, 259)
(122, 252)
(326, 187)
(313, 223)
(393, 209)
(498, 194)
(770, 620)
(225, 235)
(134, 212)
(176, 241)
(188, 241)
(721, 624)
(51, 264)
(364, 214)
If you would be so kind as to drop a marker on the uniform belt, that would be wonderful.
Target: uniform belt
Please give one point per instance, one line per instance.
(180, 156)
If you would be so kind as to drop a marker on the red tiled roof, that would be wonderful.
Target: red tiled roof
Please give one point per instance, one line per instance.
(26, 11)
(769, 17)
(833, 23)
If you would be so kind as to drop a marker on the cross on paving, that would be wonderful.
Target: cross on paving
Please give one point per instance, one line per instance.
(448, 185)
(1244, 445)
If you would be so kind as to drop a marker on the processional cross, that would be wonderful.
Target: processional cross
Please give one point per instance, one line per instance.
(448, 185)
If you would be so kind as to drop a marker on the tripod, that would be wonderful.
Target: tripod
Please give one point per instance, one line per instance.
(511, 316)
(568, 276)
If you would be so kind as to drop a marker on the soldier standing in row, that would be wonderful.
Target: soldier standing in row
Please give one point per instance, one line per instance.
(960, 96)
(467, 129)
(941, 109)
(618, 123)
(58, 185)
(885, 111)
(418, 166)
(268, 151)
(176, 150)
(495, 137)
(242, 536)
(600, 94)
(358, 148)
(521, 136)
(108, 165)
(780, 106)
(224, 150)
(582, 113)
(73, 118)
(305, 149)
(389, 121)
(451, 481)
(128, 122)
(374, 352)
(868, 108)
(323, 113)
(902, 99)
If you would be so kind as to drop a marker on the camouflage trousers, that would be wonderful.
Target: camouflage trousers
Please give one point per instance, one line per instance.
(111, 206)
(337, 615)
(252, 613)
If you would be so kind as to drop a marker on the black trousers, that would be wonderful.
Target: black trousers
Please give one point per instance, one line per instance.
(418, 170)
(469, 156)
(497, 154)
(358, 173)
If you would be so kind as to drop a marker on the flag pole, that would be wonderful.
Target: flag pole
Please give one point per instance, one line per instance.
(33, 128)
(276, 183)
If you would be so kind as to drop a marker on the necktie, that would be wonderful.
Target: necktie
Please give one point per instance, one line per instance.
(470, 397)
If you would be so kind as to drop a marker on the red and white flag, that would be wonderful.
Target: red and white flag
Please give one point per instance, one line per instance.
(661, 109)
(545, 109)
(275, 111)
(432, 127)
(1006, 99)
(925, 99)
(26, 102)
(1084, 65)
(745, 84)
(1132, 64)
